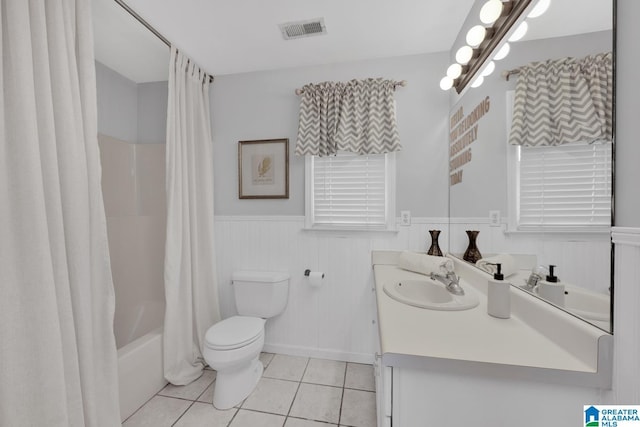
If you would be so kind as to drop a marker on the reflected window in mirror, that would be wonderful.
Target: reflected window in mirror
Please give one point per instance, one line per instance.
(560, 188)
(583, 254)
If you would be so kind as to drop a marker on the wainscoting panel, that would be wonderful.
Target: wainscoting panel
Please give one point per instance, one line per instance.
(626, 326)
(335, 320)
(579, 258)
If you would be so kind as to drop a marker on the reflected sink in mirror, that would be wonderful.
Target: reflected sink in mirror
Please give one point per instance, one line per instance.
(592, 306)
(431, 295)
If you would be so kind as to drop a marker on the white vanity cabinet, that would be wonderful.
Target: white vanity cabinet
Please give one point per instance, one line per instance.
(383, 378)
(462, 368)
(383, 375)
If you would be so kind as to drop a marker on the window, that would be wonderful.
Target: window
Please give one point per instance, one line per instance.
(559, 188)
(564, 186)
(349, 191)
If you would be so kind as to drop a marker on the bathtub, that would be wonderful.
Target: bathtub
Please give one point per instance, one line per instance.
(140, 372)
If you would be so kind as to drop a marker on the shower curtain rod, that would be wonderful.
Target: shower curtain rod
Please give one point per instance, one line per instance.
(148, 26)
(143, 22)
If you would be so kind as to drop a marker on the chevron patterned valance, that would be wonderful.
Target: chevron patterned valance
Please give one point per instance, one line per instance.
(563, 101)
(357, 116)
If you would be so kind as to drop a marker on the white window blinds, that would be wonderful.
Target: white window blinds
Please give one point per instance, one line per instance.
(349, 191)
(565, 186)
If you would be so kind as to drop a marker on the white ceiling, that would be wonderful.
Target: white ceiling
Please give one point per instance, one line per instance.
(124, 45)
(225, 36)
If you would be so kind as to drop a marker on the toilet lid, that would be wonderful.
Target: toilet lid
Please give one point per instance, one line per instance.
(234, 332)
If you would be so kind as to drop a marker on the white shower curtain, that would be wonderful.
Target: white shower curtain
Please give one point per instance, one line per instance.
(190, 270)
(58, 360)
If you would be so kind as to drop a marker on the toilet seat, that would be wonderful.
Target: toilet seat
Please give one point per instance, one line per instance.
(234, 332)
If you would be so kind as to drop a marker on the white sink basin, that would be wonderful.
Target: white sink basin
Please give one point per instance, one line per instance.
(431, 295)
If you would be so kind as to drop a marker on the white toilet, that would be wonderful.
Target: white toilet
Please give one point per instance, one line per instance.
(233, 345)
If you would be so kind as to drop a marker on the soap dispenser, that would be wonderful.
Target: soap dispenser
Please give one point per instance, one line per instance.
(551, 289)
(499, 295)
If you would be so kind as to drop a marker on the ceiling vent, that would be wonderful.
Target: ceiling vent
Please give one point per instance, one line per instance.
(299, 29)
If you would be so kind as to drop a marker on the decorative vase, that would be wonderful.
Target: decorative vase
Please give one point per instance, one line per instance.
(435, 248)
(472, 254)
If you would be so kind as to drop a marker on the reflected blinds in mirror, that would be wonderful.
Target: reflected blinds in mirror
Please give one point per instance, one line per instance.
(565, 186)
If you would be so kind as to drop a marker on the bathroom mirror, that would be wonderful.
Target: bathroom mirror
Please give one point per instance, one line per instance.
(488, 175)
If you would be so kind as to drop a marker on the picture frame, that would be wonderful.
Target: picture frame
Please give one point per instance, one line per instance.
(263, 169)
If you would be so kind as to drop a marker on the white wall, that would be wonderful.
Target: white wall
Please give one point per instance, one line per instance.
(263, 105)
(152, 112)
(335, 320)
(117, 104)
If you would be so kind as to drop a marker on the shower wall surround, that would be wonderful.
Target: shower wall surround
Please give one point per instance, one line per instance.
(134, 196)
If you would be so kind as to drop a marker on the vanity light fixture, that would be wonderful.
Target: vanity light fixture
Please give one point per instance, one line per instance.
(446, 83)
(464, 55)
(519, 32)
(478, 81)
(539, 8)
(502, 52)
(488, 69)
(502, 20)
(454, 71)
(491, 11)
(476, 35)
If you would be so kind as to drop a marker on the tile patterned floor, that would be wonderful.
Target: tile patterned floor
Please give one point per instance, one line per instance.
(293, 392)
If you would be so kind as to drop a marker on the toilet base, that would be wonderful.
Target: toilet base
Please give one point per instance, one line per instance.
(233, 386)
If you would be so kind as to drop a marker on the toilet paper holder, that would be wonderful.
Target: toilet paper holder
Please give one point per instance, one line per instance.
(307, 272)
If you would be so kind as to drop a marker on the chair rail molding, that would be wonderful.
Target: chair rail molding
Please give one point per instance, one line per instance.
(626, 236)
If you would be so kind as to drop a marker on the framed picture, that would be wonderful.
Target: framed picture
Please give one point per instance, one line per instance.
(263, 169)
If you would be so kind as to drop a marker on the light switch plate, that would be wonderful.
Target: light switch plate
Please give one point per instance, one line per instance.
(494, 218)
(405, 217)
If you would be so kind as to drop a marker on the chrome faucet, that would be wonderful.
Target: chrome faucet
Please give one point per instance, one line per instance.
(538, 273)
(451, 282)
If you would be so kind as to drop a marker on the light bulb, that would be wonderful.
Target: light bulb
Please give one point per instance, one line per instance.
(477, 82)
(476, 35)
(539, 9)
(503, 52)
(454, 71)
(490, 11)
(488, 69)
(446, 83)
(464, 54)
(519, 32)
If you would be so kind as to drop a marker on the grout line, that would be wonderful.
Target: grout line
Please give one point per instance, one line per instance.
(288, 415)
(344, 383)
(206, 388)
(184, 412)
(142, 406)
(297, 389)
(234, 416)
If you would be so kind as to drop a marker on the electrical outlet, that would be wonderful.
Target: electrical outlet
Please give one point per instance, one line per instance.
(494, 218)
(405, 217)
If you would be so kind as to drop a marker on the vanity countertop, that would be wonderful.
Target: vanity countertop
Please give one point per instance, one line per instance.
(559, 348)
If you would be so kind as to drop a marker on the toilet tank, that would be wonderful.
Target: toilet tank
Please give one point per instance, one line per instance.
(260, 293)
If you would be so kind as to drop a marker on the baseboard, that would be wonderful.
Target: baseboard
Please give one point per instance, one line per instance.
(319, 353)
